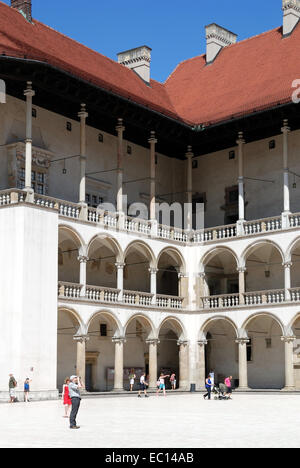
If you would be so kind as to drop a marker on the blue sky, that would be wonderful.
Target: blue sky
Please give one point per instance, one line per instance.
(174, 29)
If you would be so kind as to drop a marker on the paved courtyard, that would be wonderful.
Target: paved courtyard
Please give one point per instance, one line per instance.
(185, 421)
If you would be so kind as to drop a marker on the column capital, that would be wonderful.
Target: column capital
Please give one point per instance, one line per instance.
(242, 341)
(287, 264)
(202, 275)
(81, 338)
(202, 342)
(241, 269)
(288, 339)
(189, 154)
(182, 343)
(29, 91)
(153, 341)
(120, 265)
(285, 128)
(83, 113)
(182, 275)
(120, 127)
(153, 271)
(152, 139)
(240, 140)
(83, 259)
(119, 339)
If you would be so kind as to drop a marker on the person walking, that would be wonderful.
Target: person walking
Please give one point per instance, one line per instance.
(208, 386)
(143, 386)
(67, 402)
(228, 383)
(173, 381)
(75, 386)
(12, 385)
(27, 390)
(162, 384)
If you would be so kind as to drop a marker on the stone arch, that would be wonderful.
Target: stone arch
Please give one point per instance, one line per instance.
(291, 247)
(110, 316)
(109, 240)
(176, 255)
(202, 333)
(171, 268)
(74, 234)
(252, 247)
(103, 253)
(215, 251)
(262, 314)
(143, 248)
(176, 325)
(70, 246)
(146, 322)
(139, 259)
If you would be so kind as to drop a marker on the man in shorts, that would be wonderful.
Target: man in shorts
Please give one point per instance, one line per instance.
(143, 386)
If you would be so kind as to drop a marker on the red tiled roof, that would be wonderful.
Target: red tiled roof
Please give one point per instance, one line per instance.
(251, 75)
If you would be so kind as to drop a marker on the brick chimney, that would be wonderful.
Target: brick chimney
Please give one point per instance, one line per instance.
(291, 15)
(216, 39)
(138, 60)
(24, 7)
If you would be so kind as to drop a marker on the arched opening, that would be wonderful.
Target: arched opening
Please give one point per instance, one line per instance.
(100, 352)
(296, 351)
(264, 269)
(170, 264)
(136, 350)
(221, 353)
(138, 260)
(172, 352)
(266, 356)
(68, 252)
(295, 268)
(221, 275)
(68, 325)
(103, 254)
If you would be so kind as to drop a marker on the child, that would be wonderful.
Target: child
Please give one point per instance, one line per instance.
(173, 381)
(132, 377)
(162, 385)
(26, 390)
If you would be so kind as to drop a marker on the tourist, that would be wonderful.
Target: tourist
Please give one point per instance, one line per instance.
(132, 378)
(74, 391)
(208, 386)
(143, 386)
(12, 384)
(173, 381)
(228, 383)
(26, 390)
(162, 385)
(67, 402)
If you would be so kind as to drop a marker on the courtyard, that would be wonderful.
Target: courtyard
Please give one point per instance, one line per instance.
(177, 421)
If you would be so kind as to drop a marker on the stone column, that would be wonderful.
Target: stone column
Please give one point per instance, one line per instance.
(183, 289)
(83, 115)
(242, 271)
(201, 364)
(119, 364)
(286, 189)
(152, 140)
(83, 262)
(189, 189)
(243, 365)
(29, 93)
(120, 279)
(81, 352)
(153, 283)
(287, 280)
(183, 364)
(120, 130)
(152, 363)
(289, 362)
(241, 142)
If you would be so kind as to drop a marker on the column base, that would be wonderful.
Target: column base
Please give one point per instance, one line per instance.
(288, 389)
(29, 195)
(285, 219)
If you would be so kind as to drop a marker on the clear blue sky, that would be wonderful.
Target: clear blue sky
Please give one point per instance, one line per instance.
(174, 29)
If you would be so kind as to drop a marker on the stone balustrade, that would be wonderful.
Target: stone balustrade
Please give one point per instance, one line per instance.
(69, 290)
(137, 298)
(171, 234)
(169, 302)
(221, 301)
(101, 294)
(294, 294)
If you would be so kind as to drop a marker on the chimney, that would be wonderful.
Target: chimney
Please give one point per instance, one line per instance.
(291, 15)
(24, 7)
(138, 60)
(216, 39)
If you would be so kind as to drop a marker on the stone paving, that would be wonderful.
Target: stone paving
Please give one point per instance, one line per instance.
(185, 421)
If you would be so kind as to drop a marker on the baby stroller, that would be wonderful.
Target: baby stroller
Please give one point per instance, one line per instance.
(220, 392)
